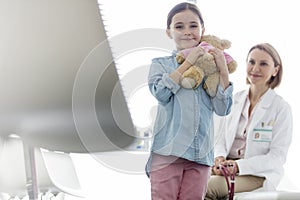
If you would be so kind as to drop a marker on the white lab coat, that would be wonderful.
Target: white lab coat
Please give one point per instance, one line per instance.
(264, 155)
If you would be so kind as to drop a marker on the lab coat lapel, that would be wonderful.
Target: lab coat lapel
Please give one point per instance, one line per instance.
(266, 101)
(239, 102)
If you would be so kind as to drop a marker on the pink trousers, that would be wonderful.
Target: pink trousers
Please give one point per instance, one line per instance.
(175, 178)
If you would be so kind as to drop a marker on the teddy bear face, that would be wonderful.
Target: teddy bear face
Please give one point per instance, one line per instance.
(207, 63)
(205, 69)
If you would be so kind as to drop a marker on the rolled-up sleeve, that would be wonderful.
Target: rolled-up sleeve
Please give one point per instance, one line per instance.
(160, 84)
(222, 102)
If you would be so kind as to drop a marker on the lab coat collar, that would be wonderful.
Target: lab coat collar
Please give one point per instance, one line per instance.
(266, 99)
(263, 106)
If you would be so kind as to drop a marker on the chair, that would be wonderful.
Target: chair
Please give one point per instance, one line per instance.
(55, 171)
(268, 195)
(285, 191)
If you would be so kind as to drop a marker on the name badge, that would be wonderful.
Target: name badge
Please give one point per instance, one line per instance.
(262, 135)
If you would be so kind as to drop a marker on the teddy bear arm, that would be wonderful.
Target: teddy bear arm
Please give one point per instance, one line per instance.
(180, 57)
(192, 77)
(211, 84)
(232, 66)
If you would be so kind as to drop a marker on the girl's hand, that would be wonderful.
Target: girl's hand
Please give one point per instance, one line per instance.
(194, 55)
(189, 61)
(219, 59)
(221, 64)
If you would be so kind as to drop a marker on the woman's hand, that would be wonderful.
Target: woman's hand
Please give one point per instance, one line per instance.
(216, 168)
(232, 166)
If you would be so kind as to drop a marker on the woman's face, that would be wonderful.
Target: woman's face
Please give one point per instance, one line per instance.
(185, 30)
(260, 67)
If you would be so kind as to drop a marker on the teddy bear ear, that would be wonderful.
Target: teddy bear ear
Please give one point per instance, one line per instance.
(226, 44)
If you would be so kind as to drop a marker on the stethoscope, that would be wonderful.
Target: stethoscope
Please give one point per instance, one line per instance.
(229, 177)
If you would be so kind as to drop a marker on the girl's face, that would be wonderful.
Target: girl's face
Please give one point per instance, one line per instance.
(185, 30)
(260, 67)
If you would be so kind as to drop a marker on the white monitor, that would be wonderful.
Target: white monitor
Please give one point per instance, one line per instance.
(59, 88)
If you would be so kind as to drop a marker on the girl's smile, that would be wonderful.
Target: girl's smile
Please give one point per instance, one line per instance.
(185, 29)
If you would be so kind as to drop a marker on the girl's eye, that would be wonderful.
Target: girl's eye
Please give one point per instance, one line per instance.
(179, 27)
(194, 26)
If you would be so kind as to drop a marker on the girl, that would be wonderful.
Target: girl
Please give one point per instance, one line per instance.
(182, 150)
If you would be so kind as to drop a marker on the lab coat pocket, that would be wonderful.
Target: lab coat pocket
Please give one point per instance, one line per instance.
(261, 139)
(262, 135)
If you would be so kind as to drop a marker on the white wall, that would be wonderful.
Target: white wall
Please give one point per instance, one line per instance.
(245, 23)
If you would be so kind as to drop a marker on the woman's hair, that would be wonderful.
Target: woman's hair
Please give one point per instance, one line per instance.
(274, 80)
(181, 7)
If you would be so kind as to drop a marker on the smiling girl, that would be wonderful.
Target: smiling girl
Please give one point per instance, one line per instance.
(182, 150)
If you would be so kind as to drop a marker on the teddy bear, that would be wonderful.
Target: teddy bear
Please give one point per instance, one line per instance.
(205, 68)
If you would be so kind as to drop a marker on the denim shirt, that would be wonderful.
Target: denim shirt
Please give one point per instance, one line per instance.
(184, 124)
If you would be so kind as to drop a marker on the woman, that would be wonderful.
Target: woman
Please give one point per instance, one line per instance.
(256, 135)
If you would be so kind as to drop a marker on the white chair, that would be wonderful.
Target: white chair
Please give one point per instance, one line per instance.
(285, 191)
(55, 171)
(268, 195)
(62, 173)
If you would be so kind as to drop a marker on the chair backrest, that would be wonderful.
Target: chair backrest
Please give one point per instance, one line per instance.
(55, 171)
(12, 167)
(61, 172)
